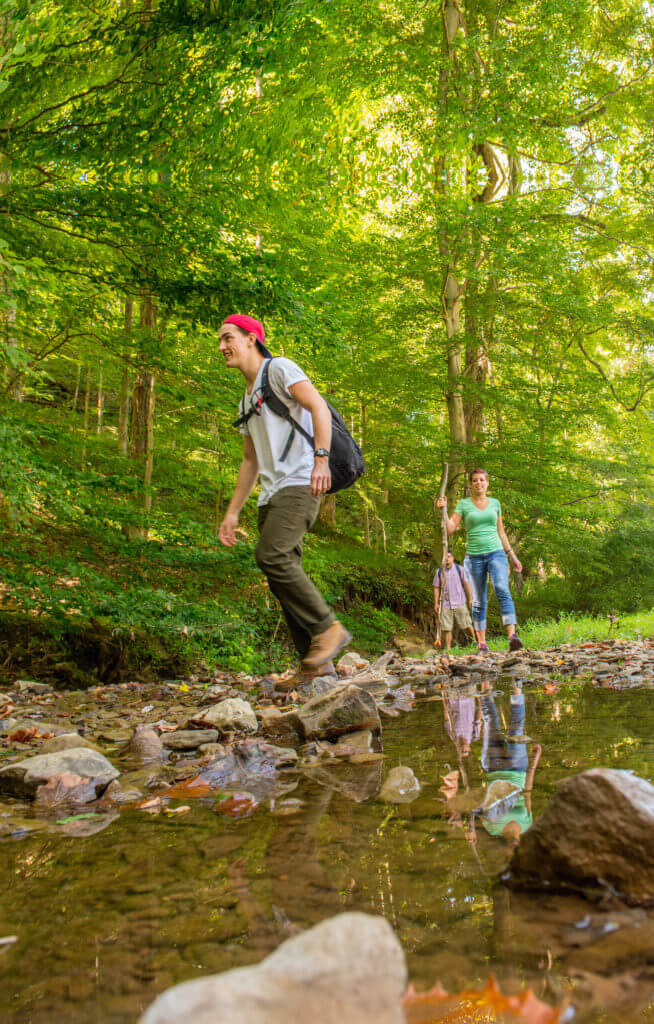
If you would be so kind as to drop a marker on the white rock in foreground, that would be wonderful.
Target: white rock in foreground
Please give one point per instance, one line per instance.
(349, 969)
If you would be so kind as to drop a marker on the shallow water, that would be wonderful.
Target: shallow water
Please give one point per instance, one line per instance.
(106, 922)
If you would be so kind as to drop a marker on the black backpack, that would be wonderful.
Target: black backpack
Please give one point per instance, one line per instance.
(345, 459)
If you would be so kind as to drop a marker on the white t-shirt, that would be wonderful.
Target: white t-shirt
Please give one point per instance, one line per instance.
(270, 433)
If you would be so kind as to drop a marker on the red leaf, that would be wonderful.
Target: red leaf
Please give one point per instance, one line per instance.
(237, 805)
(189, 789)
(485, 1006)
(23, 735)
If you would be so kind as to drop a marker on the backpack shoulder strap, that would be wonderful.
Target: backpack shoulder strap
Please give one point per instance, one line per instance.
(245, 416)
(460, 572)
(280, 408)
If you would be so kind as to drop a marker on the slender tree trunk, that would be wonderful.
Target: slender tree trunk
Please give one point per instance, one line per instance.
(220, 492)
(143, 392)
(73, 406)
(328, 510)
(149, 449)
(123, 407)
(100, 399)
(87, 398)
(363, 444)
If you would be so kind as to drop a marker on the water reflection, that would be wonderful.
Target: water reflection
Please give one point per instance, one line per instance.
(153, 901)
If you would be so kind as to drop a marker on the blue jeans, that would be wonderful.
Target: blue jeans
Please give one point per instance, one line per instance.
(478, 567)
(498, 755)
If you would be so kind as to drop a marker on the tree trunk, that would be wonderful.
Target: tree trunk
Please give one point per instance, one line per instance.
(149, 449)
(451, 301)
(365, 494)
(73, 406)
(143, 392)
(328, 510)
(218, 509)
(87, 396)
(100, 400)
(123, 407)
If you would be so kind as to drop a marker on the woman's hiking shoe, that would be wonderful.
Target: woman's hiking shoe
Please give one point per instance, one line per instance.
(515, 643)
(326, 645)
(483, 649)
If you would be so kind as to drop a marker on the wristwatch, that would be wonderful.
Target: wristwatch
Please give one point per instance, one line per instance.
(321, 453)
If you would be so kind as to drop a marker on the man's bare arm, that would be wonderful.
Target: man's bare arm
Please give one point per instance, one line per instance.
(245, 481)
(311, 400)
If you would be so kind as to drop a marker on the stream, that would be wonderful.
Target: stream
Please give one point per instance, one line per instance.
(106, 921)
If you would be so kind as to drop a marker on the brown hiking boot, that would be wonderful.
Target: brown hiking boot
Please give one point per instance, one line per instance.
(326, 645)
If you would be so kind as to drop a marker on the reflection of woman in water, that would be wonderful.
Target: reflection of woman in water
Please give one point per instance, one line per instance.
(505, 757)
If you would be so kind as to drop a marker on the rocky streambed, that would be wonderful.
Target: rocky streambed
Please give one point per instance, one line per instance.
(154, 833)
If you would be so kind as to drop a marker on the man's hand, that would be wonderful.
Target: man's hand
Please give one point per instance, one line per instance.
(227, 532)
(321, 478)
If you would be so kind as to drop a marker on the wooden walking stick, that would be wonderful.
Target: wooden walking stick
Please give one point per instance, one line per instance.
(441, 592)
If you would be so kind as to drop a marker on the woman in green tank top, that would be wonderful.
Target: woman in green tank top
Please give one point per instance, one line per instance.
(487, 553)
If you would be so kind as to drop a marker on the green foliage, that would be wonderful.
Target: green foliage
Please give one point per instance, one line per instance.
(426, 223)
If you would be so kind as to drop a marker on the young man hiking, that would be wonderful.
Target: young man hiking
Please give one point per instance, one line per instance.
(293, 476)
(455, 608)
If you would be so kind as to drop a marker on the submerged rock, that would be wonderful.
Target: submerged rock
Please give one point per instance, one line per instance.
(346, 709)
(252, 763)
(65, 741)
(146, 743)
(23, 778)
(231, 715)
(400, 786)
(597, 830)
(348, 968)
(189, 739)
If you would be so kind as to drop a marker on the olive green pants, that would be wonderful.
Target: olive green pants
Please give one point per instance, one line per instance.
(283, 522)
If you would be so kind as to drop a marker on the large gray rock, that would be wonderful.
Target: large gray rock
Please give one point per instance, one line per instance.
(350, 968)
(231, 715)
(597, 829)
(346, 709)
(23, 778)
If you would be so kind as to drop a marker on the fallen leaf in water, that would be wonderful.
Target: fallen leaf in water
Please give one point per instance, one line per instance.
(184, 688)
(486, 1006)
(152, 806)
(78, 817)
(190, 789)
(236, 805)
(177, 810)
(6, 709)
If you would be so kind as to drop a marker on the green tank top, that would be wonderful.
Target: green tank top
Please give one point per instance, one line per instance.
(481, 526)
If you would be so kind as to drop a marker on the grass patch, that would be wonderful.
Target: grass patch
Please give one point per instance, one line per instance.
(575, 629)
